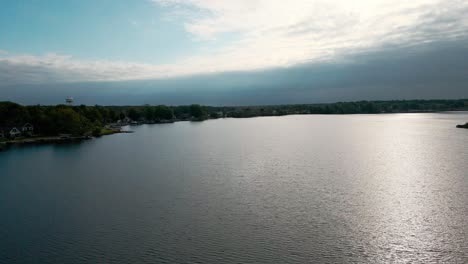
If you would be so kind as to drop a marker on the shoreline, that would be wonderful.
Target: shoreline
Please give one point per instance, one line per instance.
(39, 140)
(465, 126)
(5, 145)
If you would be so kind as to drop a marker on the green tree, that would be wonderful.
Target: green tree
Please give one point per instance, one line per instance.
(65, 120)
(162, 112)
(13, 114)
(134, 114)
(148, 113)
(196, 111)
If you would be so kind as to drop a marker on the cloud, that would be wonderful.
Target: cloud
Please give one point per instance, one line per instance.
(269, 34)
(436, 71)
(15, 69)
(279, 33)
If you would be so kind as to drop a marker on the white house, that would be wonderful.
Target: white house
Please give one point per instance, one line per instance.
(10, 132)
(28, 129)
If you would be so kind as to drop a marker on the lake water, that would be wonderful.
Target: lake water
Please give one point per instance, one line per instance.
(293, 189)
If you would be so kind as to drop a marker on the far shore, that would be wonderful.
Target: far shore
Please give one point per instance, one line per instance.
(47, 124)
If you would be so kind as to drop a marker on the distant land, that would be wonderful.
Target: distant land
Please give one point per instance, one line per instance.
(463, 126)
(44, 124)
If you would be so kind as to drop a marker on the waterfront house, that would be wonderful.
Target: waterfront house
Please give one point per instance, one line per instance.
(114, 126)
(10, 132)
(28, 129)
(14, 132)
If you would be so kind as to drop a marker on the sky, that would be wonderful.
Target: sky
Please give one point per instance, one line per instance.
(232, 52)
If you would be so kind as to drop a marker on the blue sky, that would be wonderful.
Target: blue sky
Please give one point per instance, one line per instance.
(116, 42)
(105, 29)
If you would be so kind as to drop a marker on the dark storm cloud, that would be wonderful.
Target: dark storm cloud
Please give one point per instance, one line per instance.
(437, 70)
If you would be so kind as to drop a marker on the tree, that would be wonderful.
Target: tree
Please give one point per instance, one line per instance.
(148, 113)
(12, 114)
(97, 132)
(134, 114)
(93, 114)
(196, 111)
(65, 120)
(162, 112)
(111, 115)
(214, 115)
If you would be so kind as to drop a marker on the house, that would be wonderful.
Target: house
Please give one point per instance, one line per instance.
(14, 132)
(114, 126)
(124, 122)
(10, 132)
(28, 129)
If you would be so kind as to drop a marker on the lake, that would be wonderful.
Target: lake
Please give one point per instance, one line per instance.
(293, 189)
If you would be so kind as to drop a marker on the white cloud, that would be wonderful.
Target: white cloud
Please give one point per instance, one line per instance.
(281, 33)
(15, 69)
(271, 33)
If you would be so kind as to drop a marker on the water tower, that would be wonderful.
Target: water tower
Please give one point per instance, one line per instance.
(69, 100)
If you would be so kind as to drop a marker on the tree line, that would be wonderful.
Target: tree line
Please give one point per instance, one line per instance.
(82, 119)
(360, 107)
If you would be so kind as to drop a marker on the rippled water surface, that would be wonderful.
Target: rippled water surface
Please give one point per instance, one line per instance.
(294, 189)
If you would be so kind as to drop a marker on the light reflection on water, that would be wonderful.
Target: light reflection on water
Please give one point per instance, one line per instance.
(295, 189)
